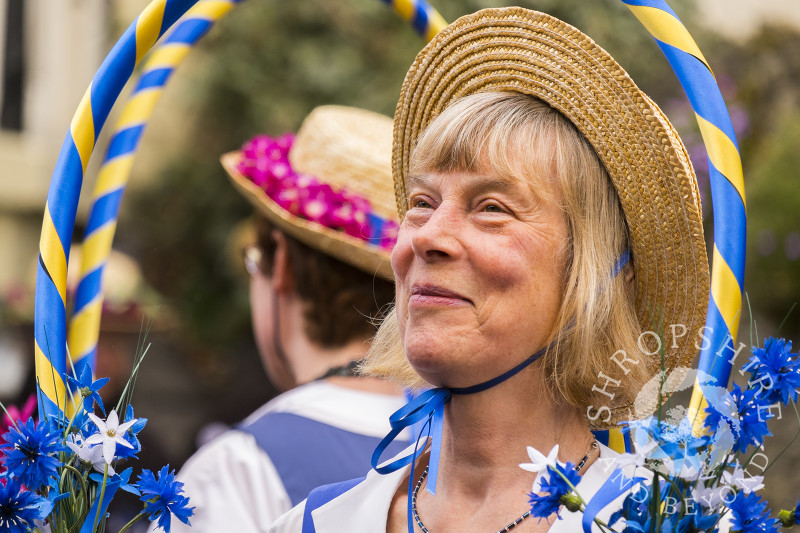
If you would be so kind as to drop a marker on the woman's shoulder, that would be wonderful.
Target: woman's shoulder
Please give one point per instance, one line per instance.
(292, 521)
(361, 509)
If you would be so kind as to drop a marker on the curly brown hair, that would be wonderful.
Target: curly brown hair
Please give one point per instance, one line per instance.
(342, 303)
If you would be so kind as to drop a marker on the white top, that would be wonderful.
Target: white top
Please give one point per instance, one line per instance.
(365, 507)
(233, 484)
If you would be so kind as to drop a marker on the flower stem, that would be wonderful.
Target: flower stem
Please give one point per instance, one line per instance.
(75, 471)
(8, 415)
(78, 409)
(604, 526)
(100, 502)
(133, 521)
(568, 482)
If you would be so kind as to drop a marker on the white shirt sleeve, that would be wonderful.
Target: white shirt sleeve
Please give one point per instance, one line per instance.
(291, 522)
(233, 486)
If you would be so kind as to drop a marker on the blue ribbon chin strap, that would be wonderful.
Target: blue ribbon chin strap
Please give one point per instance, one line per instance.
(428, 408)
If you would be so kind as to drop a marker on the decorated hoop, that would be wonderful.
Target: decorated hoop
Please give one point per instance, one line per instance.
(727, 189)
(62, 200)
(687, 61)
(84, 326)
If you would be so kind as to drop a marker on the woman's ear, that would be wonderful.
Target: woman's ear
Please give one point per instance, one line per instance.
(629, 273)
(282, 279)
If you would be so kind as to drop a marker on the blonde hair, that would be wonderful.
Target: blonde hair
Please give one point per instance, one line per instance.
(517, 136)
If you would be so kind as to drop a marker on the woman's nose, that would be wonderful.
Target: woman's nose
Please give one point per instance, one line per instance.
(438, 237)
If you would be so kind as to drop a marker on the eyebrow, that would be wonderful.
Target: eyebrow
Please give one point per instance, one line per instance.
(477, 183)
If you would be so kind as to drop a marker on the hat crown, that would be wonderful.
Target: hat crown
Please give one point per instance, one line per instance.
(329, 186)
(348, 148)
(523, 51)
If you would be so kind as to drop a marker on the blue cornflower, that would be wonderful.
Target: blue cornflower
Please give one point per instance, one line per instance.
(696, 522)
(88, 388)
(679, 443)
(712, 418)
(19, 507)
(30, 451)
(163, 497)
(753, 416)
(796, 513)
(123, 452)
(556, 487)
(781, 366)
(635, 510)
(750, 514)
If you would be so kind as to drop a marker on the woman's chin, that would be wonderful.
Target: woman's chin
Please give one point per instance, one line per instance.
(432, 365)
(439, 369)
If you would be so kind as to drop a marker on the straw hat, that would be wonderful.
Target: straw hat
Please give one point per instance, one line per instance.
(515, 49)
(329, 186)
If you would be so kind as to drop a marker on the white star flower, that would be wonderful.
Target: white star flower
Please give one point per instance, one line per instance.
(739, 480)
(688, 472)
(711, 497)
(539, 463)
(110, 433)
(627, 459)
(90, 454)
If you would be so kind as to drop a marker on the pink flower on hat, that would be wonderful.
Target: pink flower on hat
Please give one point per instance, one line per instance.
(265, 162)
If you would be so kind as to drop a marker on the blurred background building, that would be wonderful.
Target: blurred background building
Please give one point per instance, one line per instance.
(261, 70)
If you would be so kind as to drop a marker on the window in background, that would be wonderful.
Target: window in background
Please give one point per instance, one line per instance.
(13, 67)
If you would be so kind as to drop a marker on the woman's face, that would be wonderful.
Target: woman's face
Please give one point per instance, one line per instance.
(479, 268)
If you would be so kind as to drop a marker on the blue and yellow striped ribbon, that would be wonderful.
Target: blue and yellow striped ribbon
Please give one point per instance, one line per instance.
(425, 19)
(727, 187)
(84, 327)
(113, 177)
(116, 70)
(50, 333)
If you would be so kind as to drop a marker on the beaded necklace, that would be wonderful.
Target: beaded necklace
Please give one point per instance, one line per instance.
(510, 526)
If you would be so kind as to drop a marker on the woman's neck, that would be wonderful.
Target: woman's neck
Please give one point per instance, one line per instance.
(486, 435)
(480, 486)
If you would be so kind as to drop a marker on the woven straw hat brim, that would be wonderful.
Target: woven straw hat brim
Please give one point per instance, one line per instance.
(518, 50)
(353, 251)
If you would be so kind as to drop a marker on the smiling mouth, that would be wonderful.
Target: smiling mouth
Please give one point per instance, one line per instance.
(431, 294)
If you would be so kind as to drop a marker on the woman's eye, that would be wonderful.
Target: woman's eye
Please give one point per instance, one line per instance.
(493, 208)
(421, 203)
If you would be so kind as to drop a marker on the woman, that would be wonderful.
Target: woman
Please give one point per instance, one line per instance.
(551, 233)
